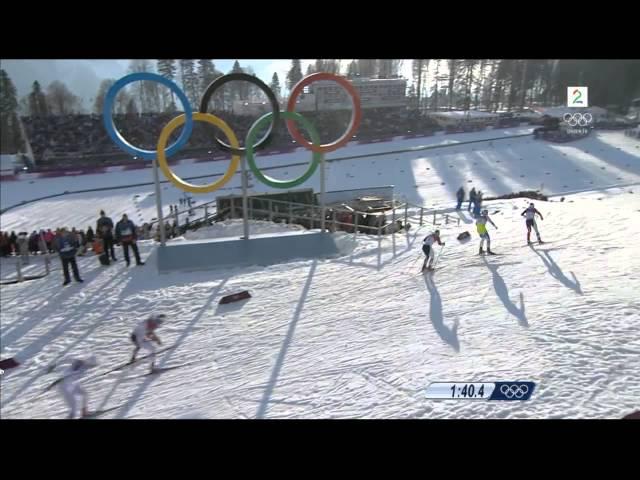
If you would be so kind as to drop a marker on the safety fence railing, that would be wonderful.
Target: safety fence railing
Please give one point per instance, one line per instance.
(23, 275)
(310, 215)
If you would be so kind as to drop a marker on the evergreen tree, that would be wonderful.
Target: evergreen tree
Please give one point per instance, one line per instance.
(37, 101)
(189, 79)
(167, 68)
(275, 85)
(104, 87)
(60, 99)
(9, 130)
(295, 74)
(352, 70)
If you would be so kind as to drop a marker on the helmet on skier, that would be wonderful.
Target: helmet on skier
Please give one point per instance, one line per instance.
(77, 364)
(531, 205)
(158, 319)
(485, 212)
(437, 232)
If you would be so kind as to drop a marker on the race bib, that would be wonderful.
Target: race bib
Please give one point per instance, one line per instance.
(126, 232)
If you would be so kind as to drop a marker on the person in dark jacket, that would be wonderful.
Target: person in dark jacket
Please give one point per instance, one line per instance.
(90, 235)
(460, 196)
(472, 198)
(126, 234)
(104, 228)
(66, 244)
(33, 243)
(13, 241)
(4, 244)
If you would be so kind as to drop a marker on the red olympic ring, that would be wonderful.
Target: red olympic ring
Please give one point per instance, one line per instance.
(355, 117)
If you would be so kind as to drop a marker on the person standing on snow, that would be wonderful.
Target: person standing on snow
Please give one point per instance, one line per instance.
(126, 234)
(472, 198)
(70, 387)
(13, 240)
(104, 228)
(481, 225)
(143, 336)
(530, 214)
(460, 197)
(66, 244)
(23, 247)
(427, 248)
(90, 235)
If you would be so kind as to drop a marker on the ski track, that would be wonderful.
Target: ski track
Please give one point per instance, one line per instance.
(358, 336)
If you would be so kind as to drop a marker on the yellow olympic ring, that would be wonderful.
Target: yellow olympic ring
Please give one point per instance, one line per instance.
(177, 181)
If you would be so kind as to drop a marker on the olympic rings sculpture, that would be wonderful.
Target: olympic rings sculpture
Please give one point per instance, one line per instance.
(187, 119)
(577, 119)
(511, 391)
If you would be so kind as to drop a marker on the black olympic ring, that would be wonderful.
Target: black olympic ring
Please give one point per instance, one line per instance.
(275, 106)
(517, 391)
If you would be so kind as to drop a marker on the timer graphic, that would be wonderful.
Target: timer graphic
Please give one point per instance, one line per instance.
(480, 390)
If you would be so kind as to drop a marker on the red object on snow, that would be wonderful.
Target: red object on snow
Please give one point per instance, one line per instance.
(8, 363)
(632, 416)
(235, 297)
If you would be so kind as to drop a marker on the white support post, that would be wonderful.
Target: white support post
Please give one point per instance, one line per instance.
(355, 225)
(19, 268)
(156, 179)
(47, 263)
(323, 191)
(245, 213)
(393, 220)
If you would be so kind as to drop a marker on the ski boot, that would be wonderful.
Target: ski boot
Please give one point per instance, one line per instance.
(490, 252)
(481, 251)
(540, 242)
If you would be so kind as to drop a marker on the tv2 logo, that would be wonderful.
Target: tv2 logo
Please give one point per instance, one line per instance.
(577, 96)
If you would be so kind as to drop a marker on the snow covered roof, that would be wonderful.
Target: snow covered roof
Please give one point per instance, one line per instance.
(462, 114)
(560, 111)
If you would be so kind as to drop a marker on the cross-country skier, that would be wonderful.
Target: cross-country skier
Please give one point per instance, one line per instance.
(481, 225)
(530, 214)
(143, 336)
(70, 387)
(427, 248)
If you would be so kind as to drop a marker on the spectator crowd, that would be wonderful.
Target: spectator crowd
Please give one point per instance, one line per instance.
(76, 140)
(69, 244)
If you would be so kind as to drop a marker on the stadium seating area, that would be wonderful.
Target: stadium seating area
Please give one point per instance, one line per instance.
(81, 140)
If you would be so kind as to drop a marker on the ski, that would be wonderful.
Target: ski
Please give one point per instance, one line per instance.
(161, 370)
(124, 365)
(429, 270)
(119, 367)
(97, 413)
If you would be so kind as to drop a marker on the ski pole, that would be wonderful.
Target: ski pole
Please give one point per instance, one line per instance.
(418, 257)
(438, 257)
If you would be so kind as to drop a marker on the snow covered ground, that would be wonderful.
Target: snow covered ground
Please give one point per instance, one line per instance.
(363, 335)
(427, 177)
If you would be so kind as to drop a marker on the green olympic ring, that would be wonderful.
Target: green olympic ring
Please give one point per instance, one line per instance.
(272, 182)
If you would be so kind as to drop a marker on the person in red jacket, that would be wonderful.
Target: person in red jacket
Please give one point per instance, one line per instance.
(48, 238)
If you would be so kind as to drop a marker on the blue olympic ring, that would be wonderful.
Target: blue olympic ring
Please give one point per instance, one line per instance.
(107, 114)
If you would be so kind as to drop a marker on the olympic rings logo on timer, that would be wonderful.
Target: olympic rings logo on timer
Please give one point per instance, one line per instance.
(577, 119)
(511, 391)
(162, 152)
